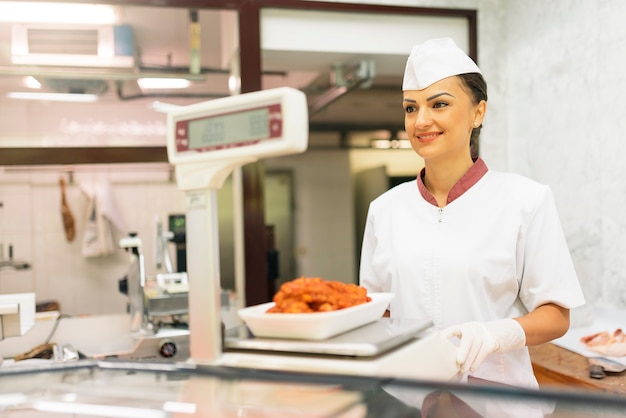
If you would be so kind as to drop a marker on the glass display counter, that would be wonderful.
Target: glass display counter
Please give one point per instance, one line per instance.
(87, 388)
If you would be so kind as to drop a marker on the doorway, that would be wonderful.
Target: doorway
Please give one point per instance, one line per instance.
(278, 206)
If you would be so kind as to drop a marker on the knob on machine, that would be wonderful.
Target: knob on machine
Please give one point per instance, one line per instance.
(167, 348)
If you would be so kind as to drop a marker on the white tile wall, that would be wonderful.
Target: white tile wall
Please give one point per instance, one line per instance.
(30, 221)
(564, 107)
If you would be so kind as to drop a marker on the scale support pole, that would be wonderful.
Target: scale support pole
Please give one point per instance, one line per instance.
(203, 268)
(239, 240)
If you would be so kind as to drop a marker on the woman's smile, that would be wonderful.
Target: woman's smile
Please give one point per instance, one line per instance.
(428, 136)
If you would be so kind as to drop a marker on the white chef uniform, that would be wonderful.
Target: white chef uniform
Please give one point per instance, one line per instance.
(495, 251)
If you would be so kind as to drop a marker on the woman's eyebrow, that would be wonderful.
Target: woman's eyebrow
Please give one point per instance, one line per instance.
(439, 94)
(445, 93)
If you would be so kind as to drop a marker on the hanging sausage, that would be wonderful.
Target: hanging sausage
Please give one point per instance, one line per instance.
(66, 213)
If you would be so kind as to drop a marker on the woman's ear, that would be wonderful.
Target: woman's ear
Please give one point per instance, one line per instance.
(479, 113)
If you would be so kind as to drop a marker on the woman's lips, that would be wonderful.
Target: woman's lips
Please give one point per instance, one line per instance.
(428, 136)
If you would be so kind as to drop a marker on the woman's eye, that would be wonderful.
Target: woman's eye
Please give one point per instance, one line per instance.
(409, 109)
(439, 105)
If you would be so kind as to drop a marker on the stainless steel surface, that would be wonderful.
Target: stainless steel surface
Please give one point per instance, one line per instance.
(130, 389)
(170, 298)
(167, 304)
(127, 389)
(369, 340)
(166, 345)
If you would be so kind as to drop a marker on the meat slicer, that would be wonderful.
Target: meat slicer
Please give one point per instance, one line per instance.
(157, 309)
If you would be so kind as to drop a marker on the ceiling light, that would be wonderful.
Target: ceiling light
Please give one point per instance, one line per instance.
(54, 97)
(381, 143)
(401, 143)
(163, 83)
(31, 82)
(393, 143)
(180, 407)
(46, 12)
(234, 84)
(94, 409)
(163, 107)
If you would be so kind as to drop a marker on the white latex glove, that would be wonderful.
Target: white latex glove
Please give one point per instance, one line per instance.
(479, 339)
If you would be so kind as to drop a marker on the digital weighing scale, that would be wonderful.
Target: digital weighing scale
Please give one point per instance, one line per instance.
(369, 340)
(205, 143)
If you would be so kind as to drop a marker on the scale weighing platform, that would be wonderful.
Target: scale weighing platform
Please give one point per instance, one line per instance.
(368, 340)
(205, 143)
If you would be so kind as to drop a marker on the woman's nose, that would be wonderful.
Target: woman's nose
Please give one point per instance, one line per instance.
(422, 118)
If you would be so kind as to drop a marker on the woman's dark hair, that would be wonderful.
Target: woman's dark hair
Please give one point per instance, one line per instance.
(477, 86)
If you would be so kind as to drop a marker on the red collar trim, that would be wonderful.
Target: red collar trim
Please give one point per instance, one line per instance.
(475, 173)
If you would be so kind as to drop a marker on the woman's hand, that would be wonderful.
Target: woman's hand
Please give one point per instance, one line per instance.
(479, 339)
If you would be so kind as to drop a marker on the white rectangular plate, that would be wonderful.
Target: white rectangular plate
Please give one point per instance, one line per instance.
(313, 326)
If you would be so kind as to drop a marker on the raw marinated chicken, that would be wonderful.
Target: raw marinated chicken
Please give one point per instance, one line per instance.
(312, 294)
(606, 343)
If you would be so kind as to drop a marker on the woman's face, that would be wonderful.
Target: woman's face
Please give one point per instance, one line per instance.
(439, 119)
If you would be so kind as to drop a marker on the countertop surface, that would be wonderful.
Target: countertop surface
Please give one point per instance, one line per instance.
(557, 366)
(599, 319)
(564, 361)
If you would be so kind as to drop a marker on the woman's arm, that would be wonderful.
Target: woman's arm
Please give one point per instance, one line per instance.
(545, 323)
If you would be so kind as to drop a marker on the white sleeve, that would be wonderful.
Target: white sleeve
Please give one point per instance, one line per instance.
(548, 274)
(367, 273)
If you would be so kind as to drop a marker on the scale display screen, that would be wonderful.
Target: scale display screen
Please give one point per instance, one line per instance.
(229, 129)
(254, 125)
(206, 141)
(223, 130)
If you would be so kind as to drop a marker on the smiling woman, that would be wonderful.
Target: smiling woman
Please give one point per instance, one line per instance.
(480, 253)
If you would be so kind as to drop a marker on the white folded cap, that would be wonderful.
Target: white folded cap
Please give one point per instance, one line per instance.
(435, 60)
